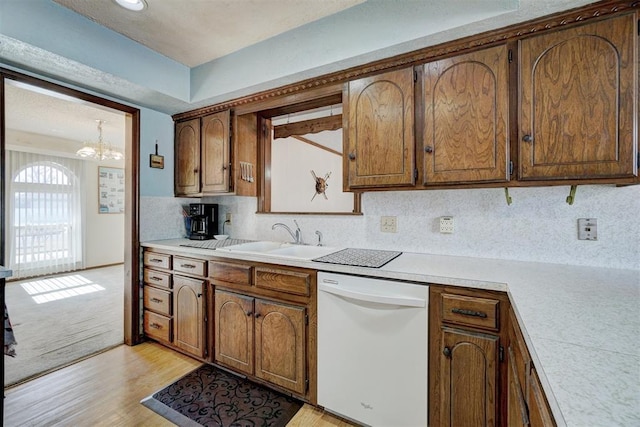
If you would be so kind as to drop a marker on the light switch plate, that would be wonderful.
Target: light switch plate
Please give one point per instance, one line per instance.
(587, 229)
(446, 224)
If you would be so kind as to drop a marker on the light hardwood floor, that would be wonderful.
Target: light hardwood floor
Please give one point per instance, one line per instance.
(105, 390)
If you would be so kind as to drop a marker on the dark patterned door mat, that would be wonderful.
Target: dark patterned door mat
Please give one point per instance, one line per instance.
(210, 396)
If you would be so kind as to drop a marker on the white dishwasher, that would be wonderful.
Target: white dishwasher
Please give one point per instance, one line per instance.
(372, 349)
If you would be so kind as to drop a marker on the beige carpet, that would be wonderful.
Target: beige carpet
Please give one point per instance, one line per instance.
(60, 319)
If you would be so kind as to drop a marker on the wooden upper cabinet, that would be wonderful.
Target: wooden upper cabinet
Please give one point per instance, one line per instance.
(187, 158)
(215, 152)
(466, 111)
(379, 119)
(577, 102)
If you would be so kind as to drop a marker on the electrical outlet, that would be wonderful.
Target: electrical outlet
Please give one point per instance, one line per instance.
(228, 218)
(587, 229)
(389, 224)
(446, 224)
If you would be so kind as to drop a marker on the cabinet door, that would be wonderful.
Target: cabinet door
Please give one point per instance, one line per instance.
(380, 138)
(215, 147)
(280, 345)
(469, 379)
(187, 158)
(234, 331)
(539, 411)
(466, 118)
(578, 96)
(188, 314)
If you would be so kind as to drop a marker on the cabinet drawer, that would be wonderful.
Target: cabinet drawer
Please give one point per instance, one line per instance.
(291, 282)
(157, 278)
(157, 300)
(231, 273)
(153, 259)
(196, 267)
(157, 326)
(470, 311)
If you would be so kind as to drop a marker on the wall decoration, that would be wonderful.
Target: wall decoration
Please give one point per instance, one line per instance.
(321, 185)
(110, 190)
(155, 160)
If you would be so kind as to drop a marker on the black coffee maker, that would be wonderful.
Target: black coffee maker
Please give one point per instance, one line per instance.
(204, 221)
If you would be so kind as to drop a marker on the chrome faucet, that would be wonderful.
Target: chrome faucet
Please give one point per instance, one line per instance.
(319, 234)
(297, 236)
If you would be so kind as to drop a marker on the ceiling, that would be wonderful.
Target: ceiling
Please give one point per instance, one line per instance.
(31, 110)
(209, 28)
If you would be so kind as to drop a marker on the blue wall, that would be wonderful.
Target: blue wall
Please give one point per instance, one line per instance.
(156, 126)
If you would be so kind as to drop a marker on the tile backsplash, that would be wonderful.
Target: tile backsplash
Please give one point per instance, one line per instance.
(538, 226)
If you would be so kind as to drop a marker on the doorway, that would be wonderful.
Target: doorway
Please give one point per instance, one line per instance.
(57, 238)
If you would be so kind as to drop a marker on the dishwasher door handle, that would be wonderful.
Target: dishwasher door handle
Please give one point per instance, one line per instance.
(376, 298)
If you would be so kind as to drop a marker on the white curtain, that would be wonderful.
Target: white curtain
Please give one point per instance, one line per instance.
(44, 213)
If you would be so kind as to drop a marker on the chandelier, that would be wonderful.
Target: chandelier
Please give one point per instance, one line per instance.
(99, 150)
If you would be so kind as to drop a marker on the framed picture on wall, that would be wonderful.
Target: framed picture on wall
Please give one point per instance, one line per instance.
(110, 190)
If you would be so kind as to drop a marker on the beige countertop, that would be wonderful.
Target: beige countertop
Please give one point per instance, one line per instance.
(581, 324)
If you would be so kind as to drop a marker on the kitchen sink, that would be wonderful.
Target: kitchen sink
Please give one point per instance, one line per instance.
(280, 250)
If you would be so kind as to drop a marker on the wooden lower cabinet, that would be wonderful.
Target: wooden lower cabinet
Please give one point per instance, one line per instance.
(188, 309)
(280, 344)
(469, 378)
(527, 404)
(465, 357)
(261, 338)
(233, 321)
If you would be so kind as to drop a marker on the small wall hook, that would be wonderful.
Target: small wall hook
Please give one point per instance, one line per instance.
(572, 194)
(507, 196)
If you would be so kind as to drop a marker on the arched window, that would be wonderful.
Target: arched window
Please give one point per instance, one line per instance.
(44, 214)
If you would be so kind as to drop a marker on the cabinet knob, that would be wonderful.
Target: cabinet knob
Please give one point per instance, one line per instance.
(199, 295)
(257, 315)
(447, 352)
(249, 313)
(428, 149)
(224, 168)
(352, 156)
(527, 138)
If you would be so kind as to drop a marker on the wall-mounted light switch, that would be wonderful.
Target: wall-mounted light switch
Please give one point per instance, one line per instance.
(587, 229)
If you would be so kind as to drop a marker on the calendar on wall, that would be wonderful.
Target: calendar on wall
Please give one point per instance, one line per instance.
(110, 190)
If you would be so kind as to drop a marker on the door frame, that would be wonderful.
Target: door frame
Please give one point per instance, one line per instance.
(132, 330)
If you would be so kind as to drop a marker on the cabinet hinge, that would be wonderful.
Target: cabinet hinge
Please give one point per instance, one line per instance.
(415, 173)
(510, 55)
(415, 76)
(306, 385)
(639, 27)
(638, 160)
(306, 319)
(510, 167)
(501, 353)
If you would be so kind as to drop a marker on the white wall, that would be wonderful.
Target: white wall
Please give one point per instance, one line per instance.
(104, 233)
(539, 225)
(293, 185)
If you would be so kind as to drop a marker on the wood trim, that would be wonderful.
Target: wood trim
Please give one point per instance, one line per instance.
(315, 144)
(308, 126)
(132, 329)
(287, 93)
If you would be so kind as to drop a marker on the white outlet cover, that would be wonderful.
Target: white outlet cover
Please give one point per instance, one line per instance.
(389, 224)
(446, 224)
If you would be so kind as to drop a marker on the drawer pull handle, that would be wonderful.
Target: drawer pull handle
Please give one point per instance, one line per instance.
(447, 352)
(156, 300)
(155, 260)
(527, 138)
(155, 326)
(187, 266)
(156, 278)
(469, 313)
